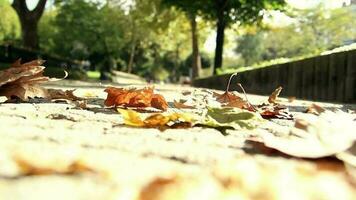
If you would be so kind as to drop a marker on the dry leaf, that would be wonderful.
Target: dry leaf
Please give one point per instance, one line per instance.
(22, 81)
(31, 169)
(139, 98)
(273, 97)
(313, 136)
(274, 112)
(315, 109)
(227, 97)
(291, 99)
(181, 105)
(23, 91)
(60, 94)
(239, 104)
(174, 120)
(159, 102)
(230, 99)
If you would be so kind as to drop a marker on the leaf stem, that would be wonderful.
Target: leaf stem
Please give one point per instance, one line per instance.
(243, 90)
(229, 83)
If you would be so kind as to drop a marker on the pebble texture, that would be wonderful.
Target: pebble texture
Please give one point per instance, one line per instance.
(89, 154)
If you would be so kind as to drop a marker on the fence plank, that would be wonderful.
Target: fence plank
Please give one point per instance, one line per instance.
(350, 80)
(328, 78)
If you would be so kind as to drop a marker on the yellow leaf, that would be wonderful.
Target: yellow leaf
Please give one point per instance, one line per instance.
(131, 118)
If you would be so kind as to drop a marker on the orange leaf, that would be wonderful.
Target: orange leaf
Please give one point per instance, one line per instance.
(159, 102)
(273, 97)
(140, 98)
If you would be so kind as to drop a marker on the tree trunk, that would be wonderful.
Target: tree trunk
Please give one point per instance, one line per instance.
(29, 21)
(132, 58)
(219, 49)
(196, 65)
(29, 34)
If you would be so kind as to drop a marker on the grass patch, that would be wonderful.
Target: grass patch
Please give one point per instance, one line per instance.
(93, 75)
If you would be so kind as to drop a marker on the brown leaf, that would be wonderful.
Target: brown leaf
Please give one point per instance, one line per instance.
(60, 94)
(22, 80)
(273, 97)
(32, 169)
(159, 102)
(37, 62)
(227, 97)
(17, 63)
(274, 112)
(12, 74)
(291, 99)
(182, 105)
(239, 104)
(23, 91)
(315, 109)
(139, 98)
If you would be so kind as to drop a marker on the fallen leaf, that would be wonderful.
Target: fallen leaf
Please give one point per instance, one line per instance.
(174, 120)
(140, 98)
(159, 102)
(181, 105)
(291, 99)
(227, 97)
(32, 169)
(274, 112)
(23, 91)
(22, 81)
(131, 118)
(316, 136)
(273, 97)
(60, 94)
(315, 109)
(230, 118)
(239, 104)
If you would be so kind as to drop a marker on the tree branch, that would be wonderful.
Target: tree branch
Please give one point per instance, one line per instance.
(20, 7)
(38, 11)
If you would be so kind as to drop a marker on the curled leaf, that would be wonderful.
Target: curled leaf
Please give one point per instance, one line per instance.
(227, 97)
(273, 97)
(22, 81)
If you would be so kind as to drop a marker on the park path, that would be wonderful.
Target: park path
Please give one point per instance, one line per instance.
(59, 151)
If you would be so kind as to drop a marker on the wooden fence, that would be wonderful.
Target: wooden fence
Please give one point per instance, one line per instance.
(323, 78)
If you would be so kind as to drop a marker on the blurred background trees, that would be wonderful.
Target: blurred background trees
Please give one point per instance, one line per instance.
(164, 40)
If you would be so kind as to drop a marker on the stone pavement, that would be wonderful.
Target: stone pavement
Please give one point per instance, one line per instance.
(59, 151)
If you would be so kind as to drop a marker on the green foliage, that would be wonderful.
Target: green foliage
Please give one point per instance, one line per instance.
(250, 46)
(226, 12)
(85, 28)
(313, 32)
(9, 23)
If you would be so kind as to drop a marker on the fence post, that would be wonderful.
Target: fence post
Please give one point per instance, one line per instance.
(350, 80)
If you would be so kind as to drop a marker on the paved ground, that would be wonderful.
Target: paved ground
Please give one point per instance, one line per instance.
(59, 151)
